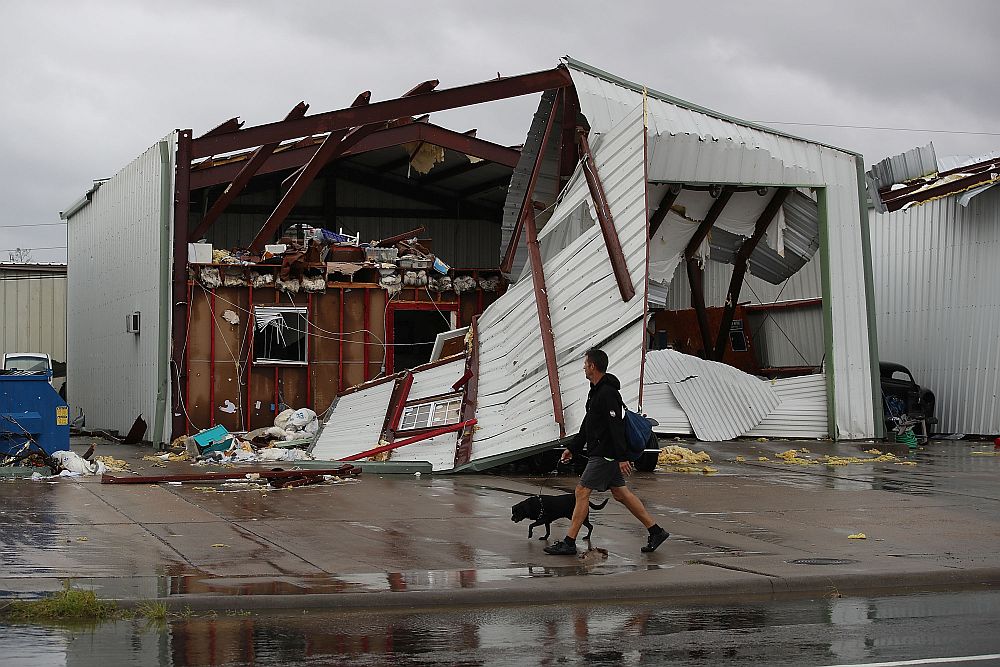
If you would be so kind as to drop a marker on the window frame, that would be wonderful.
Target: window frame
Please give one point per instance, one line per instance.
(450, 403)
(303, 311)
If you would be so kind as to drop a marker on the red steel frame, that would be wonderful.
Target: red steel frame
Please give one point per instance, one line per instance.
(211, 362)
(544, 318)
(409, 441)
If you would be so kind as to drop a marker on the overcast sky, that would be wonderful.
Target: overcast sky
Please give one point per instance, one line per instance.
(87, 86)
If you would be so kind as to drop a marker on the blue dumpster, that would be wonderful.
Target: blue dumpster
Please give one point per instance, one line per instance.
(33, 416)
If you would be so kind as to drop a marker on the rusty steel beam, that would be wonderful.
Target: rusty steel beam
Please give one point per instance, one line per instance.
(409, 441)
(694, 270)
(297, 155)
(660, 214)
(225, 127)
(242, 475)
(470, 399)
(329, 149)
(397, 410)
(618, 264)
(740, 269)
(508, 257)
(544, 319)
(428, 102)
(236, 186)
(178, 290)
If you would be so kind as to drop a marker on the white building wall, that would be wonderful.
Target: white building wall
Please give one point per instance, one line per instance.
(114, 260)
(33, 308)
(937, 290)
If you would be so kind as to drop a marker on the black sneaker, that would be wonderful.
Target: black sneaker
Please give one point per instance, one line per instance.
(560, 548)
(655, 540)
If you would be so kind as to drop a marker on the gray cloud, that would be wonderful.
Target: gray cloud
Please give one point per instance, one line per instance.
(88, 86)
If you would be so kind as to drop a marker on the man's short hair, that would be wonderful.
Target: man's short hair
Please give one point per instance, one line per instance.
(599, 359)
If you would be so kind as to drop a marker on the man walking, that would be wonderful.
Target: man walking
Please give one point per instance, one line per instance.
(603, 433)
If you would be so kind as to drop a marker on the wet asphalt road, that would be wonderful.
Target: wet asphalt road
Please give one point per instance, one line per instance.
(837, 631)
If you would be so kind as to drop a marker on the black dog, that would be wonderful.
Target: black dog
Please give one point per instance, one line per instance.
(546, 509)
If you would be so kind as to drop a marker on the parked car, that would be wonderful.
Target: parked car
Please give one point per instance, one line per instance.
(901, 395)
(31, 362)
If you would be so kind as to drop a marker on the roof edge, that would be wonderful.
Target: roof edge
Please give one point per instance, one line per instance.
(573, 63)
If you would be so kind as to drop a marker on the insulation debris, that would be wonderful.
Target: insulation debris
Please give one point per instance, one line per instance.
(113, 464)
(677, 455)
(857, 536)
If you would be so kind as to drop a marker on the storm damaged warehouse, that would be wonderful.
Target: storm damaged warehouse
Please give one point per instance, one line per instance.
(431, 294)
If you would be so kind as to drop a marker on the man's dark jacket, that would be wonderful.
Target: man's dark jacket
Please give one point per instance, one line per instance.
(603, 429)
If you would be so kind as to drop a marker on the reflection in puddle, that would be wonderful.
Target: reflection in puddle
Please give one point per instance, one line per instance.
(804, 632)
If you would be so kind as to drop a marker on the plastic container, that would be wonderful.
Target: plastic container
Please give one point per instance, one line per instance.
(381, 254)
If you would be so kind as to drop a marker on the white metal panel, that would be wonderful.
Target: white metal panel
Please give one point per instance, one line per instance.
(689, 144)
(514, 405)
(936, 289)
(114, 259)
(355, 424)
(437, 380)
(33, 308)
(720, 401)
(801, 412)
(659, 403)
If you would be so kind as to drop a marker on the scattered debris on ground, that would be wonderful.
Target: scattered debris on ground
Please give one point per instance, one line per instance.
(799, 457)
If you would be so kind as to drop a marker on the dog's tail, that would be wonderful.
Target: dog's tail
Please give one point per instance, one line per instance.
(599, 507)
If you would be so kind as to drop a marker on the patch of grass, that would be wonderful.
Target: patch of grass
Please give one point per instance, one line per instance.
(154, 611)
(69, 604)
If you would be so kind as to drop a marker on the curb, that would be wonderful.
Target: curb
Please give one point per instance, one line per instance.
(637, 587)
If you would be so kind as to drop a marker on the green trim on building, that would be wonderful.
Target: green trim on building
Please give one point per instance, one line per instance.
(163, 339)
(866, 254)
(824, 252)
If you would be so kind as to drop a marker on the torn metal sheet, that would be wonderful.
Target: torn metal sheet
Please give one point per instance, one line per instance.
(720, 401)
(355, 424)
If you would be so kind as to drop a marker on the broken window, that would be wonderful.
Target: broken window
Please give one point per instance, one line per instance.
(280, 334)
(432, 414)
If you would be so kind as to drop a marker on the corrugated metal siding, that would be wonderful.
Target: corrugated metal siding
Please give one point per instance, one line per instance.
(113, 266)
(720, 401)
(33, 306)
(936, 288)
(688, 145)
(435, 381)
(788, 337)
(916, 162)
(514, 408)
(355, 424)
(801, 412)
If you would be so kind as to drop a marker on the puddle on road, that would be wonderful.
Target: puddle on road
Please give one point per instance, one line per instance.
(798, 632)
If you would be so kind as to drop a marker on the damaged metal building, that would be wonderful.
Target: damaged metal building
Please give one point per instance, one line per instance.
(620, 204)
(935, 237)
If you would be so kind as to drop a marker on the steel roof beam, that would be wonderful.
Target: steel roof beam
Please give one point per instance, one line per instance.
(424, 102)
(740, 268)
(329, 149)
(236, 186)
(544, 318)
(296, 156)
(695, 271)
(660, 214)
(225, 127)
(618, 264)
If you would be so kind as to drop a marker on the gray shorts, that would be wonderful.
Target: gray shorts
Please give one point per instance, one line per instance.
(601, 474)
